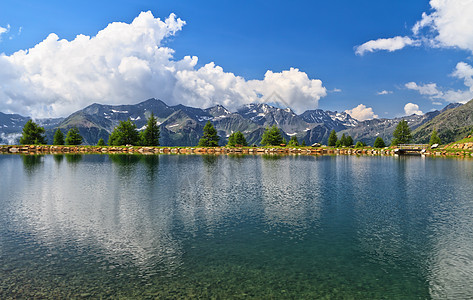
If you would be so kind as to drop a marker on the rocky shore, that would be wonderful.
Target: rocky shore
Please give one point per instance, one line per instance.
(465, 150)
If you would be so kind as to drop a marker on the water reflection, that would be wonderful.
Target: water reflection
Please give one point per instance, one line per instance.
(58, 158)
(375, 227)
(32, 162)
(121, 221)
(290, 195)
(209, 159)
(73, 158)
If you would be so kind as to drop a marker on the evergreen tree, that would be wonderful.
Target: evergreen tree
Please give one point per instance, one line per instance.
(32, 134)
(272, 137)
(73, 137)
(237, 138)
(150, 136)
(348, 141)
(124, 134)
(434, 138)
(58, 137)
(379, 143)
(101, 142)
(231, 140)
(359, 144)
(210, 137)
(402, 134)
(343, 140)
(332, 139)
(293, 142)
(303, 143)
(338, 144)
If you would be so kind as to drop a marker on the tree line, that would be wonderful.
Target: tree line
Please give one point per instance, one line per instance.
(126, 133)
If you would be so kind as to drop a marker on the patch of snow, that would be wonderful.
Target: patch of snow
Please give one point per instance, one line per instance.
(174, 125)
(261, 115)
(142, 128)
(119, 111)
(291, 134)
(135, 119)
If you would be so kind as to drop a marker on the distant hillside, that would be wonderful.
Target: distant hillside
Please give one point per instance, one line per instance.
(183, 126)
(452, 124)
(368, 131)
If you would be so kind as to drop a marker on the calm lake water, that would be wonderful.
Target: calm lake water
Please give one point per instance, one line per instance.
(235, 227)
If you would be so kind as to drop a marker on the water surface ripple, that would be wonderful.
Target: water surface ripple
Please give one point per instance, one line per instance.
(176, 226)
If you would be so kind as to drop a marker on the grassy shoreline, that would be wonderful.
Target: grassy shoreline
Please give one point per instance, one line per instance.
(447, 150)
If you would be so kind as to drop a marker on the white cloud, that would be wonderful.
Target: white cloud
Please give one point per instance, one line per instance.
(389, 44)
(411, 108)
(465, 72)
(429, 89)
(384, 92)
(462, 71)
(335, 90)
(127, 63)
(449, 25)
(362, 113)
(4, 30)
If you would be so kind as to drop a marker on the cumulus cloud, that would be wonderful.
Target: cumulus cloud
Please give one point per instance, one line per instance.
(389, 44)
(127, 63)
(411, 109)
(429, 89)
(462, 71)
(449, 25)
(362, 113)
(384, 92)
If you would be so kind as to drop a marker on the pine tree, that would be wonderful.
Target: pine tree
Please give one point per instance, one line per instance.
(73, 137)
(231, 140)
(210, 137)
(332, 139)
(101, 142)
(58, 137)
(237, 139)
(272, 137)
(150, 136)
(303, 143)
(348, 141)
(379, 143)
(342, 141)
(359, 144)
(434, 138)
(293, 142)
(402, 134)
(32, 134)
(124, 134)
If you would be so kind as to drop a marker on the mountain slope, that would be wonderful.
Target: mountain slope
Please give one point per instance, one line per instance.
(452, 124)
(183, 126)
(367, 131)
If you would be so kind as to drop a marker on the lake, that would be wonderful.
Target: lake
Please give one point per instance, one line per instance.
(187, 226)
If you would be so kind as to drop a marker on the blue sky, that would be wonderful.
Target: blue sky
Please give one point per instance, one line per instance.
(247, 38)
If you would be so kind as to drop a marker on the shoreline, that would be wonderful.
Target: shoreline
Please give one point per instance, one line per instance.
(459, 150)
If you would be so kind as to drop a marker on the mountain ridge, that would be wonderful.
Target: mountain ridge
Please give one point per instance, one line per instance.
(183, 125)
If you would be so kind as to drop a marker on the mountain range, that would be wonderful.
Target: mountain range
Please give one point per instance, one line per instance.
(183, 125)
